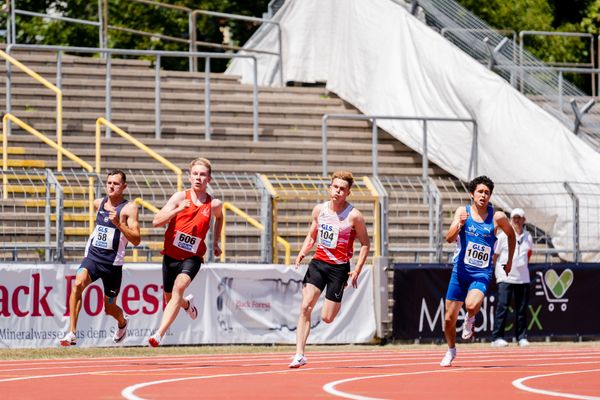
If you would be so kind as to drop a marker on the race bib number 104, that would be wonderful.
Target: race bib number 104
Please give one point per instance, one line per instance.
(477, 255)
(328, 236)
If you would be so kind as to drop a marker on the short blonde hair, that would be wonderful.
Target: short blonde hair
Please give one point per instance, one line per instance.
(202, 161)
(343, 175)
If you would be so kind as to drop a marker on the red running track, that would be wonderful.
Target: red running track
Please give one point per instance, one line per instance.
(512, 373)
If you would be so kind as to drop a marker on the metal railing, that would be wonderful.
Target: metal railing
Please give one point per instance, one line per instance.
(5, 123)
(138, 144)
(227, 206)
(374, 145)
(22, 185)
(104, 27)
(570, 66)
(448, 14)
(157, 54)
(414, 206)
(296, 195)
(407, 225)
(12, 61)
(41, 208)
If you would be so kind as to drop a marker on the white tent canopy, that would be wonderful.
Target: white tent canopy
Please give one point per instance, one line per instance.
(378, 57)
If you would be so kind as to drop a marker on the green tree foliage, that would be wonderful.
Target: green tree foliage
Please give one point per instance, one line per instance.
(544, 15)
(142, 17)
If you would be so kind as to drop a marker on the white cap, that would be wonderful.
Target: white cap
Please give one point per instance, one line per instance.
(517, 212)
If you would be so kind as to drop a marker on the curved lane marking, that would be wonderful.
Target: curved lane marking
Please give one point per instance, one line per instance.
(128, 392)
(518, 383)
(330, 387)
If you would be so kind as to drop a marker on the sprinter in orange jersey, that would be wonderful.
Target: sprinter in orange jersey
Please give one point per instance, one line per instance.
(335, 225)
(188, 214)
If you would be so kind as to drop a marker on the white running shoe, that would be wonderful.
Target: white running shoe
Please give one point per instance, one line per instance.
(121, 332)
(298, 361)
(70, 339)
(154, 340)
(448, 358)
(192, 311)
(499, 343)
(523, 342)
(468, 330)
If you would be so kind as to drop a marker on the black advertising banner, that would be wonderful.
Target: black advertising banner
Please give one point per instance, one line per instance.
(564, 301)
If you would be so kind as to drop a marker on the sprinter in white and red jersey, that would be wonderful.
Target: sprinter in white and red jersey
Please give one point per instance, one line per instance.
(188, 214)
(116, 225)
(335, 225)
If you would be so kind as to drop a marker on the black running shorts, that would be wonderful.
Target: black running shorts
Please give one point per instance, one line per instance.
(332, 276)
(111, 275)
(172, 267)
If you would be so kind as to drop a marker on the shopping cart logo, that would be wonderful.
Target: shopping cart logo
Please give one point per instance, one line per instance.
(554, 287)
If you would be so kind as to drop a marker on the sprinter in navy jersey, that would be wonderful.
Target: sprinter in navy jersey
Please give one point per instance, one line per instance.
(116, 225)
(474, 231)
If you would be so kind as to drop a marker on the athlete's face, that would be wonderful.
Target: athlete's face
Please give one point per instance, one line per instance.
(481, 195)
(115, 185)
(518, 221)
(199, 177)
(339, 190)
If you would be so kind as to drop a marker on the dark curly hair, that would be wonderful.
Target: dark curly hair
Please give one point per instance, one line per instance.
(480, 180)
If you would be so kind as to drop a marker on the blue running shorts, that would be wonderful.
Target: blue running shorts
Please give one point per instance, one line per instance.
(461, 283)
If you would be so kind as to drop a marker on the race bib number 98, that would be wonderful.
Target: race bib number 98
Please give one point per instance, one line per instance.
(186, 242)
(477, 255)
(103, 237)
(328, 236)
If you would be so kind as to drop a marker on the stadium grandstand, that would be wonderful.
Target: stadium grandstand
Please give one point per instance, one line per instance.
(416, 108)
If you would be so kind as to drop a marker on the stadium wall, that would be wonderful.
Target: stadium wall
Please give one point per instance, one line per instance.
(237, 304)
(562, 302)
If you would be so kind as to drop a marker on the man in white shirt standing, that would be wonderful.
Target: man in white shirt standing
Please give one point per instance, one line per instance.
(517, 282)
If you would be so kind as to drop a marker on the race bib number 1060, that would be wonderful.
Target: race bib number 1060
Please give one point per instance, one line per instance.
(477, 255)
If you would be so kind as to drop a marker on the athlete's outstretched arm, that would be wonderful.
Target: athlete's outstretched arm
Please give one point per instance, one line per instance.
(365, 245)
(176, 203)
(217, 212)
(128, 223)
(460, 216)
(311, 237)
(504, 224)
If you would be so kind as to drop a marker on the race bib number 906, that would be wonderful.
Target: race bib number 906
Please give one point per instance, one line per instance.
(186, 242)
(103, 237)
(328, 236)
(477, 255)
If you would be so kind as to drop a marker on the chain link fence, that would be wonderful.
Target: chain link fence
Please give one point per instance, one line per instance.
(46, 215)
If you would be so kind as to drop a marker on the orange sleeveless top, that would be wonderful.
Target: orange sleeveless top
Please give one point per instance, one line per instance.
(186, 233)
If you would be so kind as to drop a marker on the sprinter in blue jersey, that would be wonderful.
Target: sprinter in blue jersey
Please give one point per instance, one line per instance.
(474, 231)
(116, 225)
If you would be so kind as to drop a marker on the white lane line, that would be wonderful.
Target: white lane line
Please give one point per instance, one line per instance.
(128, 392)
(200, 356)
(518, 383)
(330, 387)
(109, 372)
(316, 355)
(407, 361)
(75, 363)
(285, 358)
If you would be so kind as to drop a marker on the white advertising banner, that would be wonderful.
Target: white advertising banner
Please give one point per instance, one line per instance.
(236, 303)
